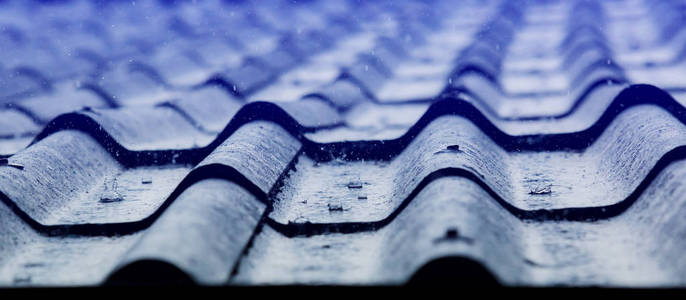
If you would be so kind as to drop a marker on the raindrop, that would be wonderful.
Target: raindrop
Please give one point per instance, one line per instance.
(300, 220)
(541, 190)
(450, 149)
(110, 193)
(335, 207)
(355, 185)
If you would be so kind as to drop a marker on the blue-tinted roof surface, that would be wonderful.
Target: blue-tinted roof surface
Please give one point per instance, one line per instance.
(522, 143)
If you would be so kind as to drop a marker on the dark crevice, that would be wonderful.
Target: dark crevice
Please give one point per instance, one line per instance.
(149, 273)
(454, 271)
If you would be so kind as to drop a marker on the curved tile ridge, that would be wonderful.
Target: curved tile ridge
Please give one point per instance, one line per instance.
(410, 240)
(602, 69)
(253, 158)
(648, 240)
(490, 98)
(357, 82)
(454, 216)
(254, 111)
(264, 69)
(246, 177)
(207, 201)
(606, 177)
(591, 213)
(584, 57)
(373, 150)
(473, 82)
(579, 56)
(216, 216)
(567, 141)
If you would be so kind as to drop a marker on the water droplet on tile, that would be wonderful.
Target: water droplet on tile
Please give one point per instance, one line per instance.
(110, 197)
(300, 220)
(336, 207)
(355, 185)
(450, 149)
(110, 193)
(541, 190)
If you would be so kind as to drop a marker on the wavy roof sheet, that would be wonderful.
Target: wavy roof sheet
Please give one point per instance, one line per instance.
(523, 143)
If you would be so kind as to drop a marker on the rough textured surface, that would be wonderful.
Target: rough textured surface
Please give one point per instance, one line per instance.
(534, 143)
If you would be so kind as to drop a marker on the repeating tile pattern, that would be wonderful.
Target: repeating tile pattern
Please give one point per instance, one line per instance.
(525, 143)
